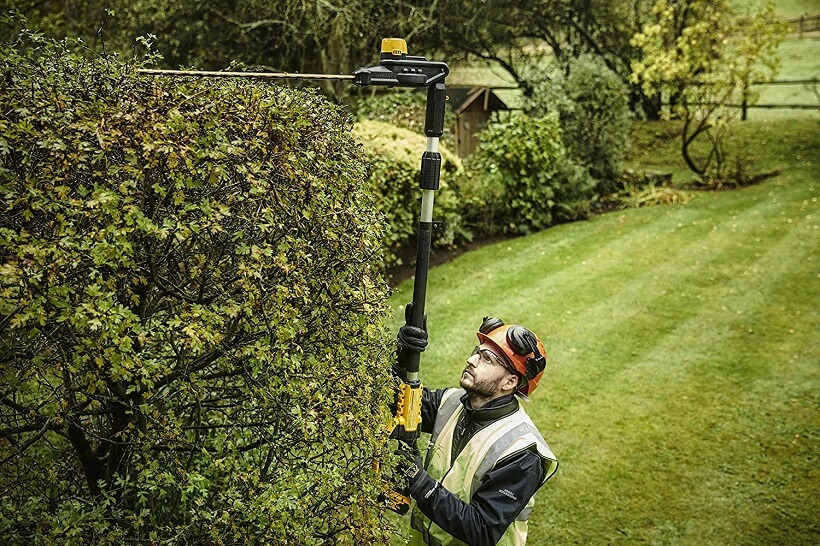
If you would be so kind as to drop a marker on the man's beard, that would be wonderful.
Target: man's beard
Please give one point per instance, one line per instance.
(481, 389)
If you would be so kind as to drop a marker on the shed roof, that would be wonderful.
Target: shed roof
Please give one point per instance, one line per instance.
(464, 97)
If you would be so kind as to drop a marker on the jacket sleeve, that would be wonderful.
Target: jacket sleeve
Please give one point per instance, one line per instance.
(496, 503)
(430, 401)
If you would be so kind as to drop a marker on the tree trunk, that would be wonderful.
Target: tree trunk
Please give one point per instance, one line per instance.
(91, 465)
(686, 140)
(649, 106)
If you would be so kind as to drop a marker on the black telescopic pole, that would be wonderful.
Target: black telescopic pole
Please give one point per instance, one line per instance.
(397, 69)
(429, 183)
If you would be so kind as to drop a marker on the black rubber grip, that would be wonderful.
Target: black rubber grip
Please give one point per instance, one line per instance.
(434, 120)
(430, 171)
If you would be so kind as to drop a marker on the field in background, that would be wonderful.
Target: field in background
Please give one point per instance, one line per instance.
(682, 393)
(787, 9)
(800, 58)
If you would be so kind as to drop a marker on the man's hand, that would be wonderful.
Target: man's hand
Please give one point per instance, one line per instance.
(411, 465)
(410, 339)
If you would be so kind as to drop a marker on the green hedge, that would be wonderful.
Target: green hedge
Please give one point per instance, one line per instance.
(394, 156)
(190, 311)
(405, 109)
(402, 108)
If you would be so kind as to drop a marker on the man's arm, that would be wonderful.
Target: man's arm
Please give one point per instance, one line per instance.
(496, 503)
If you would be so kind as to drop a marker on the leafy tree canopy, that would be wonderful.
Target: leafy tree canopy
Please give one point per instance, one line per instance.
(703, 55)
(286, 35)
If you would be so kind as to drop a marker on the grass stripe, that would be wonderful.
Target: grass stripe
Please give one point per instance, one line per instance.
(649, 454)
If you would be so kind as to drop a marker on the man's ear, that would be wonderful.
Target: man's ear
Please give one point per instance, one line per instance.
(510, 383)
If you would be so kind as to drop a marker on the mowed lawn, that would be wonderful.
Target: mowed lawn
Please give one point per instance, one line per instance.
(683, 382)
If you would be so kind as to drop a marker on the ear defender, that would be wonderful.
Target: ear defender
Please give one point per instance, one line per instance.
(521, 348)
(523, 342)
(490, 324)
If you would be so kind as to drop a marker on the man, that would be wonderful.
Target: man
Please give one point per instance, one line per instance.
(485, 459)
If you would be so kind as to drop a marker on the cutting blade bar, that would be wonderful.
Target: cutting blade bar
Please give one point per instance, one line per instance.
(261, 75)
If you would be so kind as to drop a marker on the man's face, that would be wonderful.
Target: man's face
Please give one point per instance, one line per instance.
(485, 375)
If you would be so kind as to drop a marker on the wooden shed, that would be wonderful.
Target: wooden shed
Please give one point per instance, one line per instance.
(473, 107)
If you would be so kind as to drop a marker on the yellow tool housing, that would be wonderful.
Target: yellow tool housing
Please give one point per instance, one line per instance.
(395, 47)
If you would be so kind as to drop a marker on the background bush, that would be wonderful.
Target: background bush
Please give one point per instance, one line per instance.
(520, 179)
(191, 340)
(402, 108)
(593, 108)
(394, 156)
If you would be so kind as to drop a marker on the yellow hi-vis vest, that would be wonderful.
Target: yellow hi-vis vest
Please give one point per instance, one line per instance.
(498, 440)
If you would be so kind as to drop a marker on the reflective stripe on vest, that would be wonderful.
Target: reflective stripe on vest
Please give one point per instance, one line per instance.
(501, 439)
(450, 402)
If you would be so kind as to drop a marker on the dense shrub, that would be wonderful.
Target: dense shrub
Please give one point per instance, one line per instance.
(394, 155)
(520, 179)
(405, 109)
(592, 103)
(190, 339)
(402, 109)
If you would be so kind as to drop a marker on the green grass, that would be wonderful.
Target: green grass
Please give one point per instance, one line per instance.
(800, 59)
(789, 9)
(780, 144)
(786, 9)
(683, 388)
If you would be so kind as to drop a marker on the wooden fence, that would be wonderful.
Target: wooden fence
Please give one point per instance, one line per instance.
(744, 106)
(805, 24)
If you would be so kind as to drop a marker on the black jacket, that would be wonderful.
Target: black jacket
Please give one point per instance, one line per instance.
(485, 519)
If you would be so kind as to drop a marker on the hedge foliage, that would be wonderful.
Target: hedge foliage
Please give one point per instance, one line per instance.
(394, 155)
(190, 312)
(520, 179)
(402, 109)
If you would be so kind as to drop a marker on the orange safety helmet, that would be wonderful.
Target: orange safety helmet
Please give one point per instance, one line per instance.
(521, 348)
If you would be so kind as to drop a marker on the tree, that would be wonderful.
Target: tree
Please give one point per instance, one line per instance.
(521, 180)
(512, 34)
(191, 348)
(592, 106)
(704, 56)
(313, 36)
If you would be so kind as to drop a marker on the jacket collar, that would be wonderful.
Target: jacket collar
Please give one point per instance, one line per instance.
(495, 409)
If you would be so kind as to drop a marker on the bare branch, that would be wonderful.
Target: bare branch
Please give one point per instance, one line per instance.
(28, 443)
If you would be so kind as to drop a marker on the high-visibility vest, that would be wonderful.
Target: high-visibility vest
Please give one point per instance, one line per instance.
(498, 440)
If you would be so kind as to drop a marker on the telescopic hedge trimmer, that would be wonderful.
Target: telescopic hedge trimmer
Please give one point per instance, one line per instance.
(396, 69)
